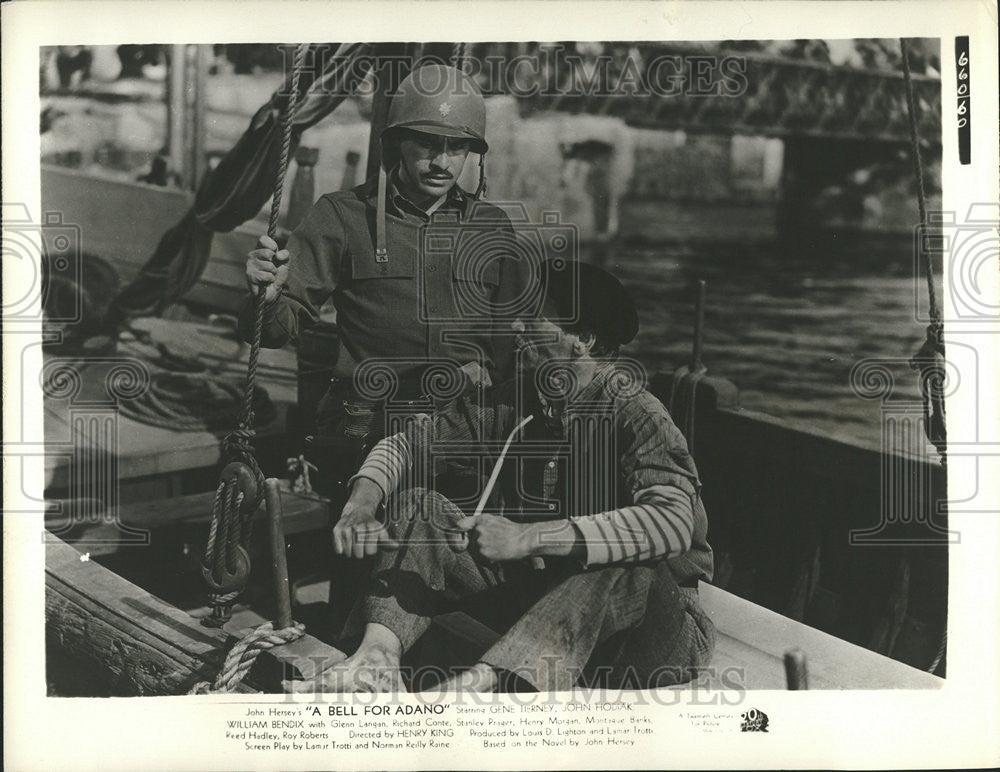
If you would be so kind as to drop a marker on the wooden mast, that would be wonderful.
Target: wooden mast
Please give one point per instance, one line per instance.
(186, 113)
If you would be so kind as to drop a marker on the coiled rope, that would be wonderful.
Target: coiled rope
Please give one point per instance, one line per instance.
(183, 402)
(241, 657)
(226, 565)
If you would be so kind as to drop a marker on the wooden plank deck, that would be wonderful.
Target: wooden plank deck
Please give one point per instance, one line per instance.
(754, 639)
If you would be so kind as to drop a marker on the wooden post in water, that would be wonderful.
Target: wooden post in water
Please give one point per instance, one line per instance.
(350, 178)
(186, 112)
(303, 192)
(699, 326)
(175, 112)
(197, 70)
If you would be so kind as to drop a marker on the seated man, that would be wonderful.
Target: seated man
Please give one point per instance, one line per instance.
(589, 539)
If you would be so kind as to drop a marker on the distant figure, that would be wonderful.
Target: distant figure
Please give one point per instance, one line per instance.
(106, 66)
(73, 65)
(147, 62)
(159, 173)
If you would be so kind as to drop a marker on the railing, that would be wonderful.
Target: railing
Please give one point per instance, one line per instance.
(673, 86)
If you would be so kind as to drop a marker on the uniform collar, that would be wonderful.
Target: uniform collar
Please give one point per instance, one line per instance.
(399, 205)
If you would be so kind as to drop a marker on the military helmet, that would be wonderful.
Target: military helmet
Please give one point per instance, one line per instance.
(442, 100)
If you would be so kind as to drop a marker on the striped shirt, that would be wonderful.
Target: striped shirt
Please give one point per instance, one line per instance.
(613, 463)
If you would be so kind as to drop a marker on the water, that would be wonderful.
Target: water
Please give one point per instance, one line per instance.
(785, 323)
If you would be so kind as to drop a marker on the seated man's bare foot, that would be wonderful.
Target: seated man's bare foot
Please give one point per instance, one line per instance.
(478, 678)
(372, 668)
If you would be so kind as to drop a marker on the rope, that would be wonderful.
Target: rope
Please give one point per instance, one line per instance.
(928, 360)
(918, 168)
(932, 351)
(272, 230)
(458, 55)
(185, 402)
(942, 646)
(241, 657)
(239, 443)
(227, 538)
(230, 528)
(213, 528)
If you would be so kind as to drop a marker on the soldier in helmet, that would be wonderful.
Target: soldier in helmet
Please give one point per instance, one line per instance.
(397, 303)
(399, 308)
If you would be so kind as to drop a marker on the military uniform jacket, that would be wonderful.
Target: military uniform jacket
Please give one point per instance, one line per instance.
(435, 297)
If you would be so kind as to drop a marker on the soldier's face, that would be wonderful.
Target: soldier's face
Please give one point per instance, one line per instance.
(431, 164)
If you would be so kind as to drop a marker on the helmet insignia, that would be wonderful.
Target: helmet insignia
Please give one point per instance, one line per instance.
(444, 108)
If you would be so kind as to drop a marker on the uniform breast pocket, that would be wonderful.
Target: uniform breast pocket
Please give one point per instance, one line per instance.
(380, 296)
(400, 265)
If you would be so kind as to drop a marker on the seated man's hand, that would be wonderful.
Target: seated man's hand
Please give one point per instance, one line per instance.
(358, 532)
(495, 538)
(268, 268)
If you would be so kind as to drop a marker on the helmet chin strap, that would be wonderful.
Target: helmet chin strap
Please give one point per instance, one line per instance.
(481, 189)
(381, 251)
